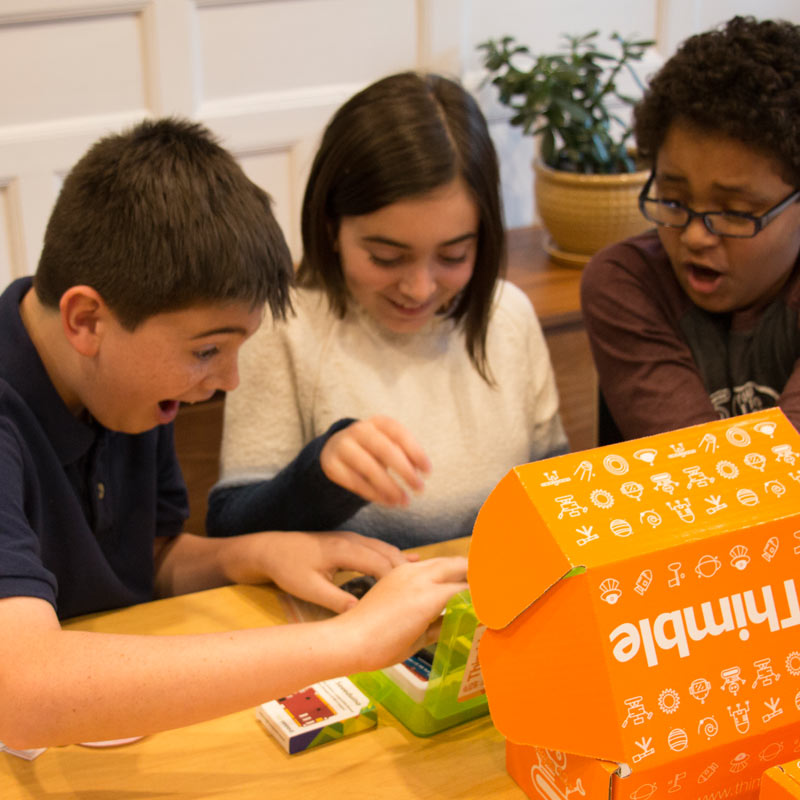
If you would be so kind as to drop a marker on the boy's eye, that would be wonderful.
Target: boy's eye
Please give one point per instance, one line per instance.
(736, 218)
(670, 202)
(206, 353)
(735, 213)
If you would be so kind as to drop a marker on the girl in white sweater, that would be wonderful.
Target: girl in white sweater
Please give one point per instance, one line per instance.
(411, 377)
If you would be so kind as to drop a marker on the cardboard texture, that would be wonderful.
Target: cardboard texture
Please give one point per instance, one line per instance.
(781, 782)
(641, 609)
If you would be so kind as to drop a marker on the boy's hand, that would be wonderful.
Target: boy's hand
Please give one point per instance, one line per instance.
(376, 458)
(401, 613)
(304, 564)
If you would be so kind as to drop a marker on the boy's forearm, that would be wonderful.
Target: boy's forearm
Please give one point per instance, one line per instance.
(61, 687)
(70, 686)
(190, 563)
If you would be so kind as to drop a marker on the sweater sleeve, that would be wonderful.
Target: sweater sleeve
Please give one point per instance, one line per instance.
(270, 475)
(299, 497)
(647, 375)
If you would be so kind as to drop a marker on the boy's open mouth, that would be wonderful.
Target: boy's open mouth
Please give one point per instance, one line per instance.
(703, 279)
(168, 410)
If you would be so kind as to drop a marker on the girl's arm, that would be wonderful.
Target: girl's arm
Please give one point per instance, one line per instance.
(299, 497)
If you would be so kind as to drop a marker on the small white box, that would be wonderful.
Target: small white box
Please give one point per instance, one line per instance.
(321, 713)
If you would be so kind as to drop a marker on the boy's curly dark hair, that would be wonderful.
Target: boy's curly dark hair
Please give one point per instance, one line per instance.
(741, 80)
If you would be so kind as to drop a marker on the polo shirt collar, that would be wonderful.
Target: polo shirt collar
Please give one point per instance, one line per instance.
(22, 368)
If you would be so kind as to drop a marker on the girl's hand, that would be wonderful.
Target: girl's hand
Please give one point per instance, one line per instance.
(376, 458)
(304, 564)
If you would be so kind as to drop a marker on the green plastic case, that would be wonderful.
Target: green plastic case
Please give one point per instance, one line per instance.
(452, 696)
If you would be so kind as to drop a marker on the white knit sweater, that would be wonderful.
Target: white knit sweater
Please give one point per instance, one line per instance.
(299, 377)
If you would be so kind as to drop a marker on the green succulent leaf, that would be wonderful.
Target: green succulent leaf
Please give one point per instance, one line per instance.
(569, 98)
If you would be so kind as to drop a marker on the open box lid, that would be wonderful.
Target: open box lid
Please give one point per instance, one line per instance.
(553, 518)
(644, 592)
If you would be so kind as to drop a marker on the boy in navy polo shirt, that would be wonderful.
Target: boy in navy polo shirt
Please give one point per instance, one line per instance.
(158, 260)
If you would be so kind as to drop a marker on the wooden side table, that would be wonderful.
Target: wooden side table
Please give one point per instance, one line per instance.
(554, 291)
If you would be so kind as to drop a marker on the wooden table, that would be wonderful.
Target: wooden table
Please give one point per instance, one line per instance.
(234, 757)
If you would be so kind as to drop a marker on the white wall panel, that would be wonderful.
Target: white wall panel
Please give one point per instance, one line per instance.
(274, 137)
(9, 256)
(679, 19)
(272, 171)
(71, 68)
(74, 71)
(280, 45)
(169, 34)
(712, 12)
(540, 23)
(265, 76)
(443, 28)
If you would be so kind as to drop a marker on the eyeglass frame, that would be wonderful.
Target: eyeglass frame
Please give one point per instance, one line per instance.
(760, 221)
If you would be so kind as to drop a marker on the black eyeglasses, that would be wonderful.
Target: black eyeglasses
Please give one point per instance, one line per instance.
(736, 224)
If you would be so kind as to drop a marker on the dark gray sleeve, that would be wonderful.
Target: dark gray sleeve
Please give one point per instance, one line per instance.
(300, 497)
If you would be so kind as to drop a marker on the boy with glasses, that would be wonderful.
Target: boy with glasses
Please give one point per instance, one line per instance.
(698, 319)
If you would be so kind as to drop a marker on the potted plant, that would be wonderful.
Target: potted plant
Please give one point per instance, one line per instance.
(587, 180)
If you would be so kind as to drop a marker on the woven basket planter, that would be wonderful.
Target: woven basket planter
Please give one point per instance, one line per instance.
(584, 213)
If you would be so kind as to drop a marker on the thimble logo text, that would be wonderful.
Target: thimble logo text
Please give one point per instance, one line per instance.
(676, 629)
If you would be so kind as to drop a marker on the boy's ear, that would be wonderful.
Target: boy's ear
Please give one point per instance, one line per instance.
(84, 315)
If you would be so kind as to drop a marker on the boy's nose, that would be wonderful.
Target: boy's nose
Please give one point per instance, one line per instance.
(696, 236)
(226, 378)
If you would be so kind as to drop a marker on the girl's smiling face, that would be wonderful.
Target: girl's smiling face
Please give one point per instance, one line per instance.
(710, 172)
(407, 261)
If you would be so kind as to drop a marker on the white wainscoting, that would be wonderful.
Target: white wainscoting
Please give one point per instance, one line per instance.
(265, 75)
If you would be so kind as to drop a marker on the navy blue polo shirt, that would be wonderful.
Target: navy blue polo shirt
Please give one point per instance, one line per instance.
(80, 505)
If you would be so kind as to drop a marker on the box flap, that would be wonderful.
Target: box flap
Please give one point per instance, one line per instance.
(695, 665)
(781, 782)
(543, 679)
(732, 771)
(513, 560)
(555, 775)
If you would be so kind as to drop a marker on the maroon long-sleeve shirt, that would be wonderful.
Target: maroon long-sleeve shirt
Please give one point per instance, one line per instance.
(664, 363)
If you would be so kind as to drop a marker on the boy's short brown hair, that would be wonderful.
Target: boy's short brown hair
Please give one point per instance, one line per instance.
(161, 218)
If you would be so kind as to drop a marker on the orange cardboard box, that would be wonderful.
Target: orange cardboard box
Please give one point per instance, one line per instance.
(781, 782)
(642, 612)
